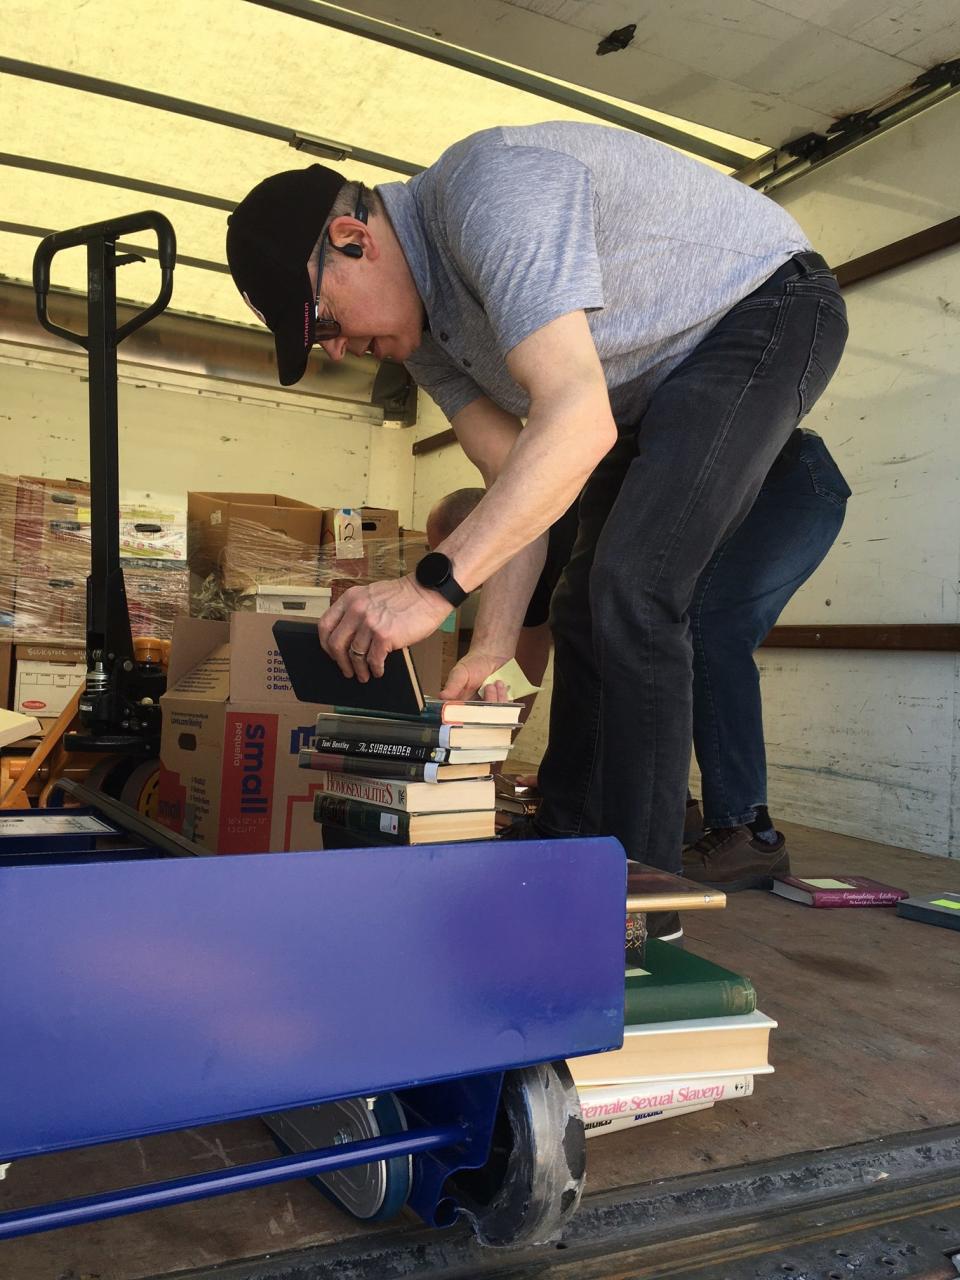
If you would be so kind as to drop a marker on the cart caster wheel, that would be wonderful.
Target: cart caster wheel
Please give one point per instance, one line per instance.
(370, 1192)
(530, 1186)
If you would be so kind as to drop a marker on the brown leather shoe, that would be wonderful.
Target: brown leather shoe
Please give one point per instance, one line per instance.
(732, 858)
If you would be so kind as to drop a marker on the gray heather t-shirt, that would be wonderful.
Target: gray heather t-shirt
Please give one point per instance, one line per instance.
(513, 227)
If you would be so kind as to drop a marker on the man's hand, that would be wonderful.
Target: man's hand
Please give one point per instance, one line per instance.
(367, 623)
(469, 674)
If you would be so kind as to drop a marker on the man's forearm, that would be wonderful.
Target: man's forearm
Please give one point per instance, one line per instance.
(543, 474)
(504, 600)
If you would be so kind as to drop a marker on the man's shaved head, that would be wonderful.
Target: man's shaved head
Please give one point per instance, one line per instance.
(449, 512)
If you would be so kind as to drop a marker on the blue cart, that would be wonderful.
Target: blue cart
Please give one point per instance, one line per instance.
(399, 1017)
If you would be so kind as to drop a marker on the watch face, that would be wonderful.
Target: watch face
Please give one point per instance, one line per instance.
(433, 570)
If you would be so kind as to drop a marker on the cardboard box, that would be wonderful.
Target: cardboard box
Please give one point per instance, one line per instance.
(52, 523)
(158, 593)
(248, 538)
(231, 737)
(8, 604)
(8, 513)
(381, 542)
(6, 674)
(292, 601)
(342, 535)
(50, 608)
(362, 544)
(148, 533)
(46, 678)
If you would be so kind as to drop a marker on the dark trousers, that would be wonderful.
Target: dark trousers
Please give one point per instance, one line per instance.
(672, 489)
(789, 529)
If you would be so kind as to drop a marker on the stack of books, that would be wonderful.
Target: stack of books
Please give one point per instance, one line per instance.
(693, 1037)
(410, 779)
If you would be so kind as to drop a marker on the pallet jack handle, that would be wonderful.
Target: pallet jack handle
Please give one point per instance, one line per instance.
(108, 232)
(119, 707)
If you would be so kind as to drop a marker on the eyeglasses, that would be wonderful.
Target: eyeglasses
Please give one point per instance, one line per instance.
(324, 327)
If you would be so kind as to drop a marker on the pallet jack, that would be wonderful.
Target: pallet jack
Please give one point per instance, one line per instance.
(120, 705)
(399, 1017)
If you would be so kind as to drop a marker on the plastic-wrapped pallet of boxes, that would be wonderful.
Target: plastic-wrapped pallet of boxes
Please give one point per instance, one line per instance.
(265, 552)
(44, 564)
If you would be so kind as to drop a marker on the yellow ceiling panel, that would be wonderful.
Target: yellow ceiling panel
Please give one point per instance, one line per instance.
(227, 55)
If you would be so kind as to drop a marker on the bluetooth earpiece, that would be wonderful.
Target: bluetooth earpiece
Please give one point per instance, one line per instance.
(348, 250)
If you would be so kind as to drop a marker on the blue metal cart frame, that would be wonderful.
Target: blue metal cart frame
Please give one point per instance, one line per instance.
(159, 994)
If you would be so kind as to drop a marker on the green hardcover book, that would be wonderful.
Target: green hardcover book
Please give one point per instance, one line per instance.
(674, 985)
(395, 826)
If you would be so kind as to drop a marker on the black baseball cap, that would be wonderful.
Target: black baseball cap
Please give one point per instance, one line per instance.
(270, 236)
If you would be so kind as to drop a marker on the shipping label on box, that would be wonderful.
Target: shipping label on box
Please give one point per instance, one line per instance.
(343, 529)
(361, 544)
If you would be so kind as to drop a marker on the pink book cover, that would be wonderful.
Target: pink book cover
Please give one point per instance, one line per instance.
(838, 891)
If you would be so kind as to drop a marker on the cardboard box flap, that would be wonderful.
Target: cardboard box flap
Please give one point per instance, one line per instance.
(208, 681)
(257, 673)
(193, 640)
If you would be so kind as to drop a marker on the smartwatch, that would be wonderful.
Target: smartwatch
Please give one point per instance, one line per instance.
(435, 571)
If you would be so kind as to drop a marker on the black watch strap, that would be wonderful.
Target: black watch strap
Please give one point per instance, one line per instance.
(435, 572)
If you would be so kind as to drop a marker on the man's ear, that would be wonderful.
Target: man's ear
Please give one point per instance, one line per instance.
(349, 230)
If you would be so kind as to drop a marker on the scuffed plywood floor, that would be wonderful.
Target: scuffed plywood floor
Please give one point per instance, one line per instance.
(868, 1007)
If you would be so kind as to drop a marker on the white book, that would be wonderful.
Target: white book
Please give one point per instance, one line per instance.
(608, 1102)
(594, 1128)
(736, 1045)
(14, 727)
(411, 797)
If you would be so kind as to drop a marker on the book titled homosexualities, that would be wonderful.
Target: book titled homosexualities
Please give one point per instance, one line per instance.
(839, 891)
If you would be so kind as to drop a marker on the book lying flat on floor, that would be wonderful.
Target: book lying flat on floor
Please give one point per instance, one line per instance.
(413, 797)
(728, 1045)
(393, 826)
(934, 908)
(597, 1102)
(837, 891)
(674, 984)
(406, 770)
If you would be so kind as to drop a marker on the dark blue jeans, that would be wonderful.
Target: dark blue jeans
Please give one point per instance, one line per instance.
(790, 528)
(672, 489)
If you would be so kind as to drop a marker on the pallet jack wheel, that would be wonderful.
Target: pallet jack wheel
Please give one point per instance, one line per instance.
(531, 1184)
(371, 1192)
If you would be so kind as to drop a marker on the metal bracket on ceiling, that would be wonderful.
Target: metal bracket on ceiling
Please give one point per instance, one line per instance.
(803, 154)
